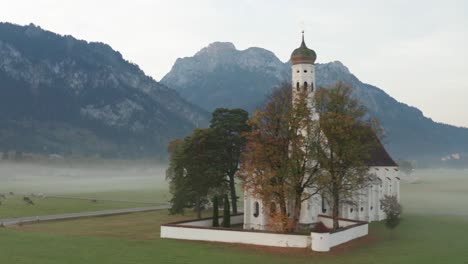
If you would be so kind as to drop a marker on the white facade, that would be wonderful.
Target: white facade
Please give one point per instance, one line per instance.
(366, 204)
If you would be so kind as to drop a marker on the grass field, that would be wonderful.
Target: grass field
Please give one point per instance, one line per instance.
(14, 206)
(434, 230)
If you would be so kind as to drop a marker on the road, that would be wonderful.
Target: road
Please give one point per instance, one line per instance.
(34, 219)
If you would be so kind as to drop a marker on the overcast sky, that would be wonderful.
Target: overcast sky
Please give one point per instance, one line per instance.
(417, 51)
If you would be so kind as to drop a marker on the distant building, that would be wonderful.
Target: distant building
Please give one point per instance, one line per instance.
(384, 171)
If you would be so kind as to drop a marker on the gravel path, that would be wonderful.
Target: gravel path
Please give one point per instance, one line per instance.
(33, 219)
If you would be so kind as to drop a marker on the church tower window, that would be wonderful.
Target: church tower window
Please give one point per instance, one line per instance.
(305, 86)
(297, 86)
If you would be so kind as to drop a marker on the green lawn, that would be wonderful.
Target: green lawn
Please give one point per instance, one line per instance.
(434, 230)
(134, 238)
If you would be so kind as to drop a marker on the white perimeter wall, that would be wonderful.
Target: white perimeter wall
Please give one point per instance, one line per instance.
(322, 242)
(233, 236)
(201, 230)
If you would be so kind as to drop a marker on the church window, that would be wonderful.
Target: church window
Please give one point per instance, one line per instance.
(312, 87)
(297, 86)
(298, 71)
(305, 86)
(324, 210)
(305, 70)
(256, 209)
(362, 209)
(351, 210)
(372, 208)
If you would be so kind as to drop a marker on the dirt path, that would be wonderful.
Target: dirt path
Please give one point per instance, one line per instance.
(34, 219)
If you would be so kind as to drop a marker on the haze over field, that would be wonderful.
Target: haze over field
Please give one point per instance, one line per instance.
(427, 192)
(124, 181)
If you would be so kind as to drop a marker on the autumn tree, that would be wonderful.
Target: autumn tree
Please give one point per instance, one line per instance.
(229, 126)
(192, 176)
(279, 163)
(349, 141)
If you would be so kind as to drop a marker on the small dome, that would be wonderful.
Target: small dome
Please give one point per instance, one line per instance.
(303, 54)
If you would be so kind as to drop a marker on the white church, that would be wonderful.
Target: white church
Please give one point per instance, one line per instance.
(366, 205)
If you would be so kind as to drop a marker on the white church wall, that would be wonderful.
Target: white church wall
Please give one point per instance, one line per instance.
(253, 218)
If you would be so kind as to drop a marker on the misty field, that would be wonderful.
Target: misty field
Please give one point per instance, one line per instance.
(434, 229)
(51, 186)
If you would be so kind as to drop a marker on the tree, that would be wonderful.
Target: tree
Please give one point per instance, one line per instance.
(191, 174)
(215, 211)
(278, 164)
(392, 209)
(229, 126)
(226, 212)
(346, 148)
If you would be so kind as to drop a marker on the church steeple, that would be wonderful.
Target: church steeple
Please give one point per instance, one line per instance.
(303, 54)
(303, 70)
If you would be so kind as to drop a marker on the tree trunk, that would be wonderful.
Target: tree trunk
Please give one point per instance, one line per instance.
(226, 212)
(284, 212)
(336, 209)
(198, 208)
(296, 213)
(232, 186)
(215, 212)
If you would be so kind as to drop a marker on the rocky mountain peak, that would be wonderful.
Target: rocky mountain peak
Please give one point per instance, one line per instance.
(216, 48)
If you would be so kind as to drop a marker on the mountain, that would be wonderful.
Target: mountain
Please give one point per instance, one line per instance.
(63, 95)
(220, 75)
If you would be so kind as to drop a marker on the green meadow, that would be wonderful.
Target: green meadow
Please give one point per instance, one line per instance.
(434, 228)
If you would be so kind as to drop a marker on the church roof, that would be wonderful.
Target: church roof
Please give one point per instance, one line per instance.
(379, 157)
(303, 54)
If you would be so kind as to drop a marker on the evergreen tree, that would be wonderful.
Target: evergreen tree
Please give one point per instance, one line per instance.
(230, 126)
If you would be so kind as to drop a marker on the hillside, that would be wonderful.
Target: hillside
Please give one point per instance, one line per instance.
(221, 75)
(63, 95)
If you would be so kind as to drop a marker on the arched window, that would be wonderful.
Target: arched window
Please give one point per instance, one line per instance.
(311, 87)
(305, 70)
(351, 210)
(324, 210)
(256, 209)
(372, 207)
(305, 86)
(362, 209)
(297, 86)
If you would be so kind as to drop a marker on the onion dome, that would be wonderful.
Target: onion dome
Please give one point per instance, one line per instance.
(303, 54)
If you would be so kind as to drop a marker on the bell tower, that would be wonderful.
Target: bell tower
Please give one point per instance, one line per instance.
(303, 71)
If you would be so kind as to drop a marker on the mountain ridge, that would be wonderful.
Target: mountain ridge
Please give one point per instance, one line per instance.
(52, 81)
(408, 133)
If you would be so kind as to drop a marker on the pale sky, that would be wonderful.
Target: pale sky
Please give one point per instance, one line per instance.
(417, 51)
